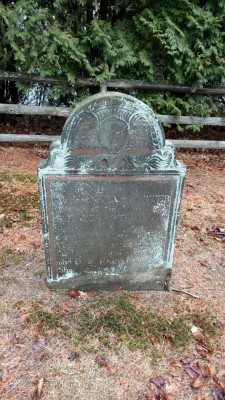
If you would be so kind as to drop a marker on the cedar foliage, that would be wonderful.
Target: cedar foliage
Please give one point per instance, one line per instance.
(179, 41)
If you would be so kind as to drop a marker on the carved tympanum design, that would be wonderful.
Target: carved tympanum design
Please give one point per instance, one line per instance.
(112, 123)
(113, 134)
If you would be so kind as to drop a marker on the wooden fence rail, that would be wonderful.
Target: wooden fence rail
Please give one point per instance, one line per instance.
(180, 144)
(64, 112)
(15, 109)
(113, 83)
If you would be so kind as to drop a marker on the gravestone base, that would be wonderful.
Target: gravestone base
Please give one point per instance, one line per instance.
(156, 279)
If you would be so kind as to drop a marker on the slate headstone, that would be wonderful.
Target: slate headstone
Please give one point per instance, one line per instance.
(110, 194)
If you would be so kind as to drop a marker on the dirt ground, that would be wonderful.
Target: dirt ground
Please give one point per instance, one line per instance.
(38, 359)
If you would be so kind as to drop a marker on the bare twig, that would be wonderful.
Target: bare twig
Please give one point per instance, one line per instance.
(184, 291)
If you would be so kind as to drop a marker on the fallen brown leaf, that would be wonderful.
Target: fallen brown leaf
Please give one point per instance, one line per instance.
(40, 387)
(186, 360)
(205, 371)
(74, 294)
(168, 396)
(169, 335)
(204, 348)
(218, 394)
(39, 350)
(196, 367)
(220, 325)
(101, 361)
(192, 374)
(204, 264)
(37, 392)
(195, 228)
(73, 356)
(198, 382)
(15, 339)
(159, 381)
(212, 370)
(175, 364)
(64, 308)
(198, 336)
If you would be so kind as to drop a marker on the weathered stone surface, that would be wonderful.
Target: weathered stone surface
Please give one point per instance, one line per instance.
(110, 193)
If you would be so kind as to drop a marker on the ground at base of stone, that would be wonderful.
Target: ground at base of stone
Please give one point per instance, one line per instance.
(49, 346)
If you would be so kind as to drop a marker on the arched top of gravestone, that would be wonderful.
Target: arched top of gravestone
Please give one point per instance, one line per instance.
(112, 123)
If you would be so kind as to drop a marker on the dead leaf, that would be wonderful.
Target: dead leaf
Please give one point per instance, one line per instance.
(169, 335)
(64, 308)
(39, 350)
(199, 336)
(159, 381)
(196, 367)
(101, 361)
(73, 356)
(37, 392)
(205, 371)
(167, 396)
(212, 370)
(198, 382)
(195, 228)
(204, 264)
(218, 394)
(186, 360)
(220, 325)
(204, 348)
(16, 339)
(175, 364)
(74, 294)
(192, 374)
(40, 387)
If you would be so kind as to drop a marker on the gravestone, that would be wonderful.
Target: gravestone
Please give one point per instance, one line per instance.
(110, 193)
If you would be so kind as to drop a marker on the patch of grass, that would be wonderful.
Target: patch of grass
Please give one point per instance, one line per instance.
(42, 318)
(137, 327)
(115, 323)
(18, 178)
(39, 272)
(206, 322)
(17, 208)
(9, 255)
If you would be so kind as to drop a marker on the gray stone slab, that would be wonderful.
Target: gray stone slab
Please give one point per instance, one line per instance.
(110, 193)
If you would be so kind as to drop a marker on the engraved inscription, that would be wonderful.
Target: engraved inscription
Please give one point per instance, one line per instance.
(127, 224)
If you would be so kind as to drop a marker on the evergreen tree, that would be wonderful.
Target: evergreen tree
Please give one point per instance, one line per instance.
(176, 42)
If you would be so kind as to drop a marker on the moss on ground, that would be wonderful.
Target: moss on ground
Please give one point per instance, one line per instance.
(119, 322)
